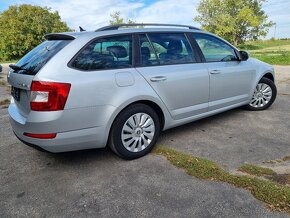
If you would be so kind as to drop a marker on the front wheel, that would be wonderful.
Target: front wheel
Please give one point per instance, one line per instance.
(264, 95)
(134, 131)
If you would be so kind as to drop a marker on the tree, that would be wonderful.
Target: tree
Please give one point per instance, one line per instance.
(23, 27)
(234, 20)
(117, 19)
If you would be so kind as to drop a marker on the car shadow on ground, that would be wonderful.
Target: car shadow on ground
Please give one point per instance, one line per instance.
(82, 157)
(201, 124)
(105, 154)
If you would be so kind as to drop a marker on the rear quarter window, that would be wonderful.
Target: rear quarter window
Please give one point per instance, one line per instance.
(104, 54)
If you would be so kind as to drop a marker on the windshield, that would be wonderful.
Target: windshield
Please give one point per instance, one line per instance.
(33, 61)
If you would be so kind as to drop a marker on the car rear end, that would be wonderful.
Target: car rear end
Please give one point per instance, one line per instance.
(40, 114)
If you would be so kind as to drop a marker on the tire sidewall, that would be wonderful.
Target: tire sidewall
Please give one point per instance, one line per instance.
(115, 137)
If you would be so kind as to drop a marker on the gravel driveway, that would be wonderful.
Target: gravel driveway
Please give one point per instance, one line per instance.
(96, 183)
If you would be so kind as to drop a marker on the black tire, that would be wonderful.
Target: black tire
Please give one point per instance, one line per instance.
(274, 94)
(115, 138)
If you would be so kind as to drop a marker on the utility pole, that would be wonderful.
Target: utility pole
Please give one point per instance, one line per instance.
(275, 31)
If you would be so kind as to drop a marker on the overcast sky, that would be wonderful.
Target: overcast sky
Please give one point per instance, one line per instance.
(92, 14)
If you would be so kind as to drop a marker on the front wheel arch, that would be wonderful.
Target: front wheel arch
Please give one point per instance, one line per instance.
(273, 87)
(269, 76)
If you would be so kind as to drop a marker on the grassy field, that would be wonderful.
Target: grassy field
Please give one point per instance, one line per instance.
(270, 51)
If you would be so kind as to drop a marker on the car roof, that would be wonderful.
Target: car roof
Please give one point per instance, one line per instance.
(92, 34)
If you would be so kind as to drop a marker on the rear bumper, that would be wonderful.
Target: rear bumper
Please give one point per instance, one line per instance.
(66, 140)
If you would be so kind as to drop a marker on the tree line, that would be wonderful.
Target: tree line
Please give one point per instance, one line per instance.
(22, 27)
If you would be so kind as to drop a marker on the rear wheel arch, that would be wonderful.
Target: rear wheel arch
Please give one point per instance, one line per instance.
(151, 103)
(156, 108)
(119, 144)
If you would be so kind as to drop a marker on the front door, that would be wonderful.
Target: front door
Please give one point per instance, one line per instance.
(230, 78)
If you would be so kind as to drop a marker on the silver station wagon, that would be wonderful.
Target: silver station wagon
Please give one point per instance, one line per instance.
(121, 86)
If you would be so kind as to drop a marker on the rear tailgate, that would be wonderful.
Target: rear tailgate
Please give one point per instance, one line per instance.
(20, 91)
(22, 75)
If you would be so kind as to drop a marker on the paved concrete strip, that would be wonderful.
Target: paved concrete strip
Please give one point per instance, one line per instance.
(98, 184)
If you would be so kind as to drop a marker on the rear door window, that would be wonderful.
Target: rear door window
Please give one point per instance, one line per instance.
(105, 53)
(172, 48)
(33, 61)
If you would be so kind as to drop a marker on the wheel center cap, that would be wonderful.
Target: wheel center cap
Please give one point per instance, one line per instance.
(138, 131)
(260, 95)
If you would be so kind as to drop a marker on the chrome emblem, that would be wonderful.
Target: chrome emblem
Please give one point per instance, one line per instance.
(23, 85)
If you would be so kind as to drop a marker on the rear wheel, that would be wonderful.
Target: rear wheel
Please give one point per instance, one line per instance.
(264, 95)
(134, 131)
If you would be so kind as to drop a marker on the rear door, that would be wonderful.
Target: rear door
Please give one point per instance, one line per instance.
(174, 71)
(230, 78)
(21, 75)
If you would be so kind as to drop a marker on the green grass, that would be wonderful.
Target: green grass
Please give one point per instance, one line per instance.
(8, 62)
(276, 196)
(262, 44)
(4, 102)
(273, 57)
(2, 83)
(270, 51)
(256, 170)
(286, 158)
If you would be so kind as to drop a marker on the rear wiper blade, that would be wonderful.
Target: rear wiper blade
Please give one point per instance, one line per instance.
(15, 67)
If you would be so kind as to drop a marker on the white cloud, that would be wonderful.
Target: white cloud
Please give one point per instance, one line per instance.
(278, 12)
(168, 11)
(89, 14)
(92, 14)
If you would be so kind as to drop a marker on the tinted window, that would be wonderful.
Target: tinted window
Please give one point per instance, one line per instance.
(107, 53)
(40, 55)
(172, 48)
(214, 49)
(148, 56)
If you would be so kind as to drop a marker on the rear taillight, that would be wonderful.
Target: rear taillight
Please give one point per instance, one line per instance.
(48, 96)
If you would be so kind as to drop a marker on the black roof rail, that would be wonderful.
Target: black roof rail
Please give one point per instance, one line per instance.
(116, 27)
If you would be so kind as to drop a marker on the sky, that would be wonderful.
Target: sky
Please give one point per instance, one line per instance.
(93, 14)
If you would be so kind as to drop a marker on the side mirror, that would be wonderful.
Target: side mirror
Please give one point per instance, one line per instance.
(244, 55)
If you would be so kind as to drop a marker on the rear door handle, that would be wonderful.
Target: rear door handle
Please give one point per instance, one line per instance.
(215, 72)
(158, 78)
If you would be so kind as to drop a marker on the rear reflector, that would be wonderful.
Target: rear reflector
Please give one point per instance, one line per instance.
(41, 136)
(48, 96)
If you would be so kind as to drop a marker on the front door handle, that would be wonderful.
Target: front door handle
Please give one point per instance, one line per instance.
(158, 78)
(215, 72)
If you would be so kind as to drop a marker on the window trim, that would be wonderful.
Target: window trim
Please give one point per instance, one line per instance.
(69, 64)
(193, 49)
(153, 48)
(138, 51)
(193, 34)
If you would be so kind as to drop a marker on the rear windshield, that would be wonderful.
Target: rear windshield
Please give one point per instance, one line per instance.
(33, 61)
